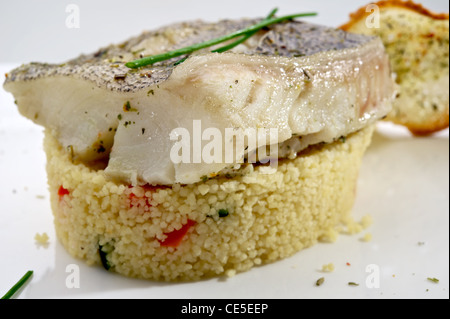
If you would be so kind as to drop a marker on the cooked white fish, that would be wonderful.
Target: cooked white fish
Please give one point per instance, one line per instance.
(311, 83)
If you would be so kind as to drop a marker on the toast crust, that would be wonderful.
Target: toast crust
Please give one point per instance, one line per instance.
(427, 123)
(430, 127)
(408, 5)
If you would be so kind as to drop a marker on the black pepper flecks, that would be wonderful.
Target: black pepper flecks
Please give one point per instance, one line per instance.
(105, 68)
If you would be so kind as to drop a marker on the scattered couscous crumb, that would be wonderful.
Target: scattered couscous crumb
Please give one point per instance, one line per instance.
(331, 235)
(181, 233)
(366, 221)
(41, 239)
(355, 227)
(328, 267)
(230, 273)
(367, 237)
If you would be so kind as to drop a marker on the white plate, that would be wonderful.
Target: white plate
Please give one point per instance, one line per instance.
(403, 185)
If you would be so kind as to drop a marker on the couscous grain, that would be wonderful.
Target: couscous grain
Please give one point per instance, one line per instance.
(217, 227)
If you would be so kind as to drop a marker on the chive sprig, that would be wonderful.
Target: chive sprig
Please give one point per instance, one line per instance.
(244, 37)
(246, 33)
(18, 285)
(237, 42)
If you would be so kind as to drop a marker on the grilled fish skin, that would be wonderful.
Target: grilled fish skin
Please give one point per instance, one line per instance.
(312, 83)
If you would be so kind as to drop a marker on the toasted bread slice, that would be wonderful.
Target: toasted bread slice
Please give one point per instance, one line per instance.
(417, 42)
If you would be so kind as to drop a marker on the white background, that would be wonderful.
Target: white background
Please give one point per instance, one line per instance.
(404, 181)
(35, 30)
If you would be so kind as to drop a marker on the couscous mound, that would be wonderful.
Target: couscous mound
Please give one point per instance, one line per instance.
(216, 227)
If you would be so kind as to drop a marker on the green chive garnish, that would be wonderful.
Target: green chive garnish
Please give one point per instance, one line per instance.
(223, 212)
(245, 37)
(432, 279)
(195, 47)
(320, 281)
(237, 42)
(18, 285)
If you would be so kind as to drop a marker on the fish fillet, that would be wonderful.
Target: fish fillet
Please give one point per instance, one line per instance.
(311, 83)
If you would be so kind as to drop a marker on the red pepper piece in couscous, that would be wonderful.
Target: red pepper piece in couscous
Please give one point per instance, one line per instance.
(62, 191)
(175, 237)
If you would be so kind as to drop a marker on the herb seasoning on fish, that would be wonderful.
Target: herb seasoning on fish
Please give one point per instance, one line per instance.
(195, 47)
(305, 75)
